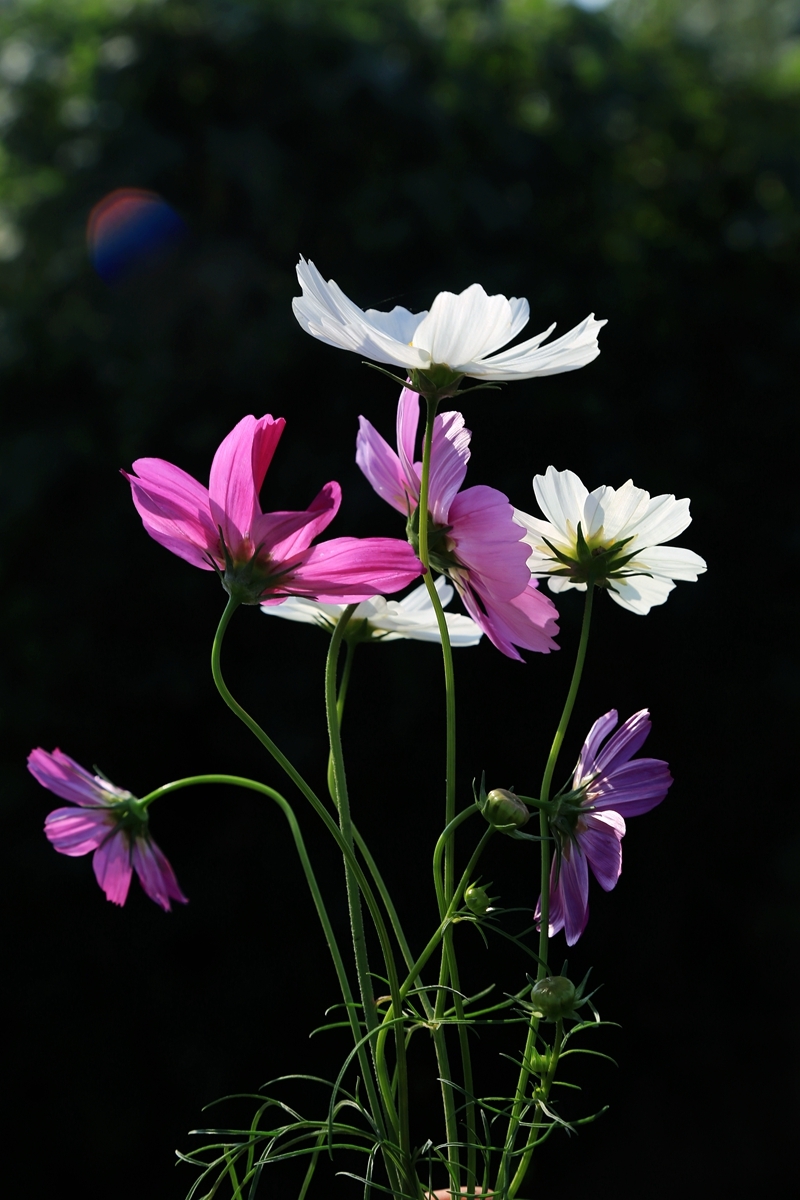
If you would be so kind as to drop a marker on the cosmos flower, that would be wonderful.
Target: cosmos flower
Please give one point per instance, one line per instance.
(461, 333)
(473, 538)
(607, 787)
(612, 535)
(262, 557)
(377, 619)
(108, 821)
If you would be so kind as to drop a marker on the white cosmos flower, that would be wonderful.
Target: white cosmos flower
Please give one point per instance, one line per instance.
(458, 332)
(386, 620)
(622, 534)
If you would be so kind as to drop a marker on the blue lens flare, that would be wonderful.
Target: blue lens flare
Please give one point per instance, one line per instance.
(128, 229)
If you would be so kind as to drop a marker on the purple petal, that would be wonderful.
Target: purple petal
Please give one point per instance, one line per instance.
(353, 569)
(175, 511)
(597, 735)
(629, 738)
(383, 468)
(62, 775)
(634, 787)
(112, 867)
(600, 841)
(573, 893)
(155, 873)
(77, 831)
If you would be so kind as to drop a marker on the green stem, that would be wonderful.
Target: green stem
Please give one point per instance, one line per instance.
(333, 829)
(544, 914)
(399, 1120)
(446, 895)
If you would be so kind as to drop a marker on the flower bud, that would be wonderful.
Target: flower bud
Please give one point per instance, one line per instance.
(553, 997)
(478, 900)
(503, 809)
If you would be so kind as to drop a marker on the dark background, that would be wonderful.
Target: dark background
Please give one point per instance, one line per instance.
(641, 163)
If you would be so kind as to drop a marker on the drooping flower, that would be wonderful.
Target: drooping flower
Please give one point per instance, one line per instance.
(613, 536)
(262, 557)
(607, 787)
(108, 821)
(472, 536)
(460, 333)
(380, 620)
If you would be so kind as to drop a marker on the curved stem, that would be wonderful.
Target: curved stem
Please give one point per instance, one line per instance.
(333, 829)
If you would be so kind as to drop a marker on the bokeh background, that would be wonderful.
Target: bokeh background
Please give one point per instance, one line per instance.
(638, 159)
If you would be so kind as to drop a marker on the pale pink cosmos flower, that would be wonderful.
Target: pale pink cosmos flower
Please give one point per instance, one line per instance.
(473, 538)
(108, 821)
(262, 557)
(591, 825)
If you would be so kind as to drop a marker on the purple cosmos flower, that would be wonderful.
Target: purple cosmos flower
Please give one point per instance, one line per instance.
(262, 557)
(473, 538)
(108, 821)
(591, 825)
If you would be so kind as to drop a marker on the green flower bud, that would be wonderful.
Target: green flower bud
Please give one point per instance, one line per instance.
(478, 900)
(553, 997)
(503, 809)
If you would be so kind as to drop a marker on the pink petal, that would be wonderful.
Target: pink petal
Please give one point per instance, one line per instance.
(529, 620)
(488, 540)
(155, 873)
(353, 569)
(175, 510)
(112, 867)
(284, 534)
(77, 831)
(601, 842)
(237, 473)
(450, 454)
(383, 469)
(407, 425)
(62, 775)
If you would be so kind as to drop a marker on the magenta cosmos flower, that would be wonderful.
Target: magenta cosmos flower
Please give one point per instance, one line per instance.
(590, 825)
(473, 538)
(109, 821)
(262, 558)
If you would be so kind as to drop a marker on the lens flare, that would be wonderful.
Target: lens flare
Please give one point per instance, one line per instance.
(128, 229)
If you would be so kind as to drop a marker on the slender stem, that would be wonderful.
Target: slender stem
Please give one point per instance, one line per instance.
(544, 907)
(333, 829)
(446, 894)
(399, 1120)
(544, 1092)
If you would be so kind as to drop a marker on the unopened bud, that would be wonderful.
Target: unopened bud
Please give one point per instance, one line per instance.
(504, 809)
(478, 900)
(553, 997)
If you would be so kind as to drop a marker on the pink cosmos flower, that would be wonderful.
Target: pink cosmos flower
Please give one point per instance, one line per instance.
(108, 821)
(591, 825)
(473, 538)
(262, 557)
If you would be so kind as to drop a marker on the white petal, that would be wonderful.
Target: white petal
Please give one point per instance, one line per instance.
(307, 612)
(664, 519)
(673, 562)
(461, 328)
(561, 496)
(327, 313)
(574, 349)
(640, 593)
(622, 508)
